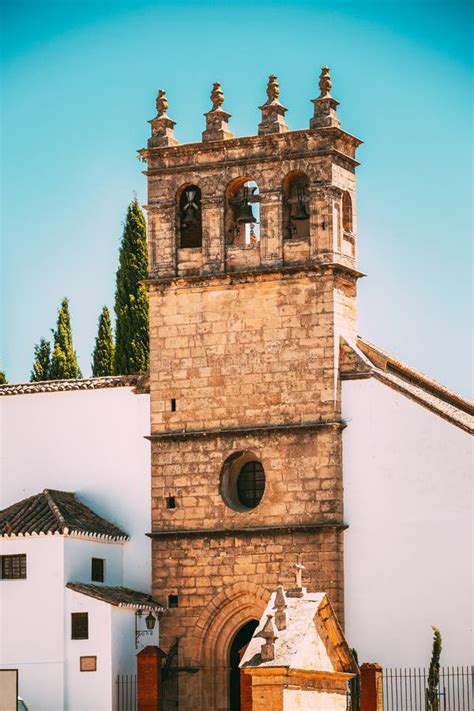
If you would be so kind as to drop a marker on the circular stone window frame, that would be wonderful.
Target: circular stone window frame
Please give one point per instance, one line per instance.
(228, 480)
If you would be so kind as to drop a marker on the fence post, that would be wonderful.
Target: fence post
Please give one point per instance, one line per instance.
(371, 694)
(149, 662)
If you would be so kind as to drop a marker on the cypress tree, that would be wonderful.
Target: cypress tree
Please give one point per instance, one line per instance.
(42, 363)
(64, 361)
(3, 378)
(131, 299)
(103, 358)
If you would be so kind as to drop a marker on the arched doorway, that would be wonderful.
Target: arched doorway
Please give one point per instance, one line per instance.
(241, 640)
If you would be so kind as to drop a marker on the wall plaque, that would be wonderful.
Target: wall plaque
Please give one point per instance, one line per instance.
(88, 664)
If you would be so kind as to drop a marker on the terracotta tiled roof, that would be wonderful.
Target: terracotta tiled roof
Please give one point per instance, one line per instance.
(57, 512)
(118, 596)
(363, 360)
(52, 386)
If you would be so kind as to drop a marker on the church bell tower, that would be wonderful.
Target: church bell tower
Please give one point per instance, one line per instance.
(252, 284)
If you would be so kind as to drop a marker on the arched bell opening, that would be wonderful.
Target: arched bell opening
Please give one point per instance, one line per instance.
(189, 217)
(238, 679)
(243, 213)
(347, 218)
(296, 206)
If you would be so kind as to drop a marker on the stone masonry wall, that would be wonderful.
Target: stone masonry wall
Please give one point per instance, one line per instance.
(243, 351)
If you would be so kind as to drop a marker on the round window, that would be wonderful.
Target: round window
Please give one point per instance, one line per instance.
(242, 481)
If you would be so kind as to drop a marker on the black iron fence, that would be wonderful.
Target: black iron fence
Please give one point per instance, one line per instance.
(405, 689)
(126, 692)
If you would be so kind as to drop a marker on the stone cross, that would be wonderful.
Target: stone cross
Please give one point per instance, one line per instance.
(299, 574)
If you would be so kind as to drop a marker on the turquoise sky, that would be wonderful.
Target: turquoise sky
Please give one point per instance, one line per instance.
(79, 81)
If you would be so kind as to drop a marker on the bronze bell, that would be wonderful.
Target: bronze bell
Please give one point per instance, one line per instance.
(300, 212)
(245, 216)
(190, 216)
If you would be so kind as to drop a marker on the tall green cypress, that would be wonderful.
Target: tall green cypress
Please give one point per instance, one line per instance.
(103, 358)
(131, 299)
(64, 361)
(42, 363)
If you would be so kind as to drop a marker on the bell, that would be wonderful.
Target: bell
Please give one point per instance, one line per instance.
(190, 216)
(300, 212)
(245, 216)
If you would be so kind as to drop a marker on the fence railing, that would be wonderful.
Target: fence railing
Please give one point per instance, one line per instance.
(126, 692)
(405, 689)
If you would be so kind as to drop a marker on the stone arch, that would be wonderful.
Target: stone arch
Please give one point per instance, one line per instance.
(215, 629)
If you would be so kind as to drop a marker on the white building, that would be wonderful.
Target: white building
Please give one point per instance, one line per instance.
(67, 623)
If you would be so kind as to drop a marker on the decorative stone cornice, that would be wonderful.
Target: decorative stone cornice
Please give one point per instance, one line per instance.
(243, 431)
(249, 530)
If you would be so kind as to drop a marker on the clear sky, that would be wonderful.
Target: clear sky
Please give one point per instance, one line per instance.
(79, 80)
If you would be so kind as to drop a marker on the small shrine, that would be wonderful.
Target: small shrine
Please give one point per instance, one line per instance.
(298, 657)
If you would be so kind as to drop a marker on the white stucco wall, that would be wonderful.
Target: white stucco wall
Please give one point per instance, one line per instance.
(78, 554)
(408, 549)
(32, 621)
(88, 690)
(91, 442)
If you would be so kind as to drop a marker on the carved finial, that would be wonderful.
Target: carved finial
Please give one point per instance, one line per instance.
(269, 635)
(325, 83)
(217, 120)
(325, 106)
(273, 113)
(162, 134)
(280, 606)
(273, 88)
(217, 96)
(161, 102)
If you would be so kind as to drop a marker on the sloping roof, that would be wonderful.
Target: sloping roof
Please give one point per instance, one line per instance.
(118, 596)
(362, 359)
(51, 386)
(312, 639)
(57, 512)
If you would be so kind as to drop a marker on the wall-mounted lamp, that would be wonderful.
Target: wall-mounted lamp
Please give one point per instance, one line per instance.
(150, 621)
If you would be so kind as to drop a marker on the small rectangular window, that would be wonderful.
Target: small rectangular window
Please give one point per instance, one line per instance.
(173, 405)
(98, 570)
(170, 502)
(79, 625)
(172, 601)
(13, 567)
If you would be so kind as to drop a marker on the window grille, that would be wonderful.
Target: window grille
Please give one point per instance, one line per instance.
(251, 484)
(14, 567)
(79, 625)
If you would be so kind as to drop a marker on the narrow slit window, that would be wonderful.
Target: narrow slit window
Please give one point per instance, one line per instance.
(173, 405)
(170, 502)
(172, 601)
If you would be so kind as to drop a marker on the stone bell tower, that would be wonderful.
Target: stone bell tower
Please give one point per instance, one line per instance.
(252, 283)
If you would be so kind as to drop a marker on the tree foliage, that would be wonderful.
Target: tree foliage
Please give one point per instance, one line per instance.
(103, 358)
(3, 377)
(432, 696)
(64, 360)
(42, 362)
(131, 299)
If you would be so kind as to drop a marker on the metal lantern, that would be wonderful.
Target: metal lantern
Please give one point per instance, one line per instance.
(150, 620)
